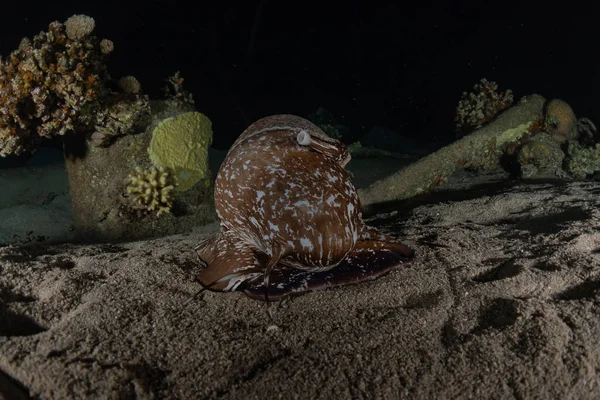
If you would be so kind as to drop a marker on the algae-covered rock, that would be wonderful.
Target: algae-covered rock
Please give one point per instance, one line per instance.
(541, 156)
(181, 144)
(482, 149)
(560, 121)
(99, 178)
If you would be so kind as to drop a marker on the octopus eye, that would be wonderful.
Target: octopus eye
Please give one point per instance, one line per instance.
(303, 138)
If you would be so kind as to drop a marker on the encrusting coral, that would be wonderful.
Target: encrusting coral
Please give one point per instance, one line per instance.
(583, 161)
(479, 107)
(121, 114)
(150, 190)
(181, 144)
(51, 84)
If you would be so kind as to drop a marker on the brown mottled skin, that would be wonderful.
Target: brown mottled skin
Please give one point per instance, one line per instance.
(290, 216)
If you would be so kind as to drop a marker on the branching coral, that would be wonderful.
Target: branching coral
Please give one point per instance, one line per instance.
(50, 85)
(479, 107)
(151, 190)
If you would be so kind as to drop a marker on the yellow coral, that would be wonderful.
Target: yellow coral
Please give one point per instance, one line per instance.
(181, 144)
(151, 189)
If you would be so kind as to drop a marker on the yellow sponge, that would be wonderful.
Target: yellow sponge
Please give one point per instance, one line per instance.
(181, 144)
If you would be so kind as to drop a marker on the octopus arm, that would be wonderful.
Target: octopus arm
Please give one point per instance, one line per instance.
(229, 262)
(368, 260)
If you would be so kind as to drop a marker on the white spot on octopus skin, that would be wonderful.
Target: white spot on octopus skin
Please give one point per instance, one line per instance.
(320, 240)
(306, 243)
(234, 281)
(300, 203)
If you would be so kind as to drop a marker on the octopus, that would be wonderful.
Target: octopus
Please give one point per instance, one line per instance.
(290, 217)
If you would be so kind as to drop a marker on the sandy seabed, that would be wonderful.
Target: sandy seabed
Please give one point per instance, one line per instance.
(509, 307)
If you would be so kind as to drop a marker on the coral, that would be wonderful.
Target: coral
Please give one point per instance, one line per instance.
(540, 155)
(106, 46)
(129, 84)
(120, 115)
(560, 121)
(181, 144)
(583, 161)
(174, 90)
(479, 107)
(151, 190)
(50, 85)
(79, 26)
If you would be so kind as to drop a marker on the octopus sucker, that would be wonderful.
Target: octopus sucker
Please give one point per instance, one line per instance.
(325, 243)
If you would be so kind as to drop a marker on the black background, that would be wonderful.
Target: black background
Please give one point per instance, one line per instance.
(400, 65)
